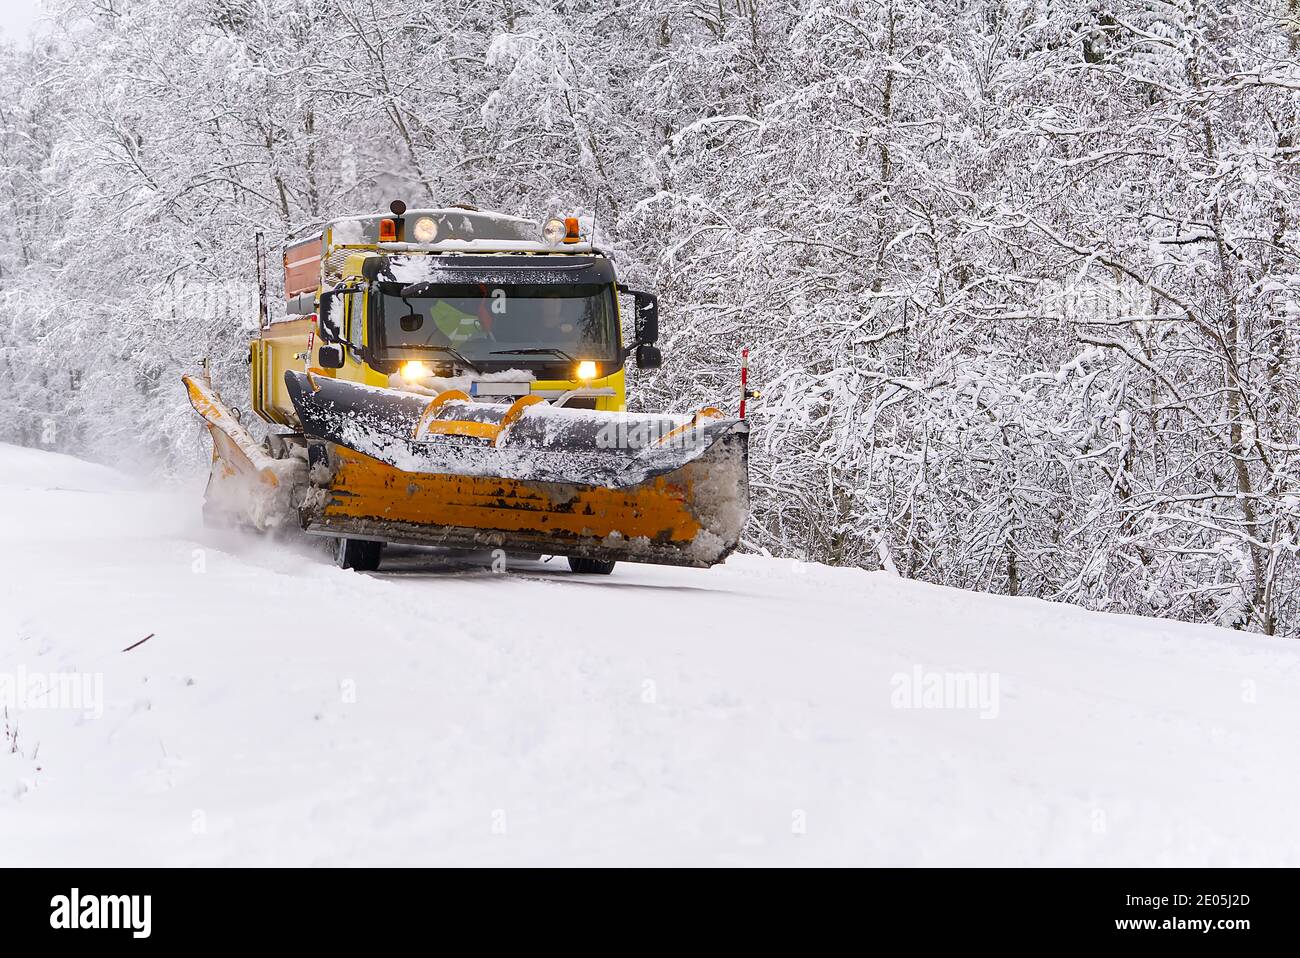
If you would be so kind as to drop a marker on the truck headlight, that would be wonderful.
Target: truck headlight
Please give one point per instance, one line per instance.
(414, 370)
(586, 370)
(425, 229)
(554, 231)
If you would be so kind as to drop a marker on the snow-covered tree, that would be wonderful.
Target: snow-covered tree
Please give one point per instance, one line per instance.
(1020, 279)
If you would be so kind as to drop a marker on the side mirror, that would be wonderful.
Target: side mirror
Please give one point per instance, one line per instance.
(649, 356)
(330, 357)
(411, 322)
(647, 318)
(329, 331)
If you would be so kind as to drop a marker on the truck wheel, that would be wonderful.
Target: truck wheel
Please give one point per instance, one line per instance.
(591, 566)
(359, 554)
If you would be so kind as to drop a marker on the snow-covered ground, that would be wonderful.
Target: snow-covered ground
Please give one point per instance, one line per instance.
(287, 712)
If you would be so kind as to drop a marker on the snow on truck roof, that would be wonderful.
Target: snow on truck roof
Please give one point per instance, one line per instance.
(496, 269)
(319, 260)
(457, 230)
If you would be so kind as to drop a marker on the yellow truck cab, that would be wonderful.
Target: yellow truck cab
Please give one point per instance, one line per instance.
(454, 297)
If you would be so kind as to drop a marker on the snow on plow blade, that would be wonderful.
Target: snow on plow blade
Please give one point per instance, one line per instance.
(246, 487)
(523, 477)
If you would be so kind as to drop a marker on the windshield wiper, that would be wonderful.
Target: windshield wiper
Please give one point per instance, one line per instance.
(454, 352)
(537, 351)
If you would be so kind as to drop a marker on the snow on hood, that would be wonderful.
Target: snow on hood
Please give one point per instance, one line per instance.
(434, 385)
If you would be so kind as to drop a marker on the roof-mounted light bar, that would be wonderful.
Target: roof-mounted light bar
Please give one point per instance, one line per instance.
(558, 231)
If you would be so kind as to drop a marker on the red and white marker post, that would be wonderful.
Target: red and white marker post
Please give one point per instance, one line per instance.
(745, 392)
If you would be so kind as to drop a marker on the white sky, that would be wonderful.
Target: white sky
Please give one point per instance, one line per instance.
(17, 17)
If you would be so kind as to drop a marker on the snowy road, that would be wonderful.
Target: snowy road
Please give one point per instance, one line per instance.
(286, 712)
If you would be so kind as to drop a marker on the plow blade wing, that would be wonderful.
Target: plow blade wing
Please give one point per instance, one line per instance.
(523, 477)
(246, 486)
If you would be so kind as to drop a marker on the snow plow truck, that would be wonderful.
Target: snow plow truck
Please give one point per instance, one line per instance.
(456, 378)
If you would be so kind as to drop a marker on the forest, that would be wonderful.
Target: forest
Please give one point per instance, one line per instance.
(1020, 278)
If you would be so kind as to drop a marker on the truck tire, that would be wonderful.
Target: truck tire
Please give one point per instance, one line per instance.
(591, 566)
(359, 554)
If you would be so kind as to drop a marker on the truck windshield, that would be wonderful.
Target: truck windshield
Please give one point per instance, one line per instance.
(488, 322)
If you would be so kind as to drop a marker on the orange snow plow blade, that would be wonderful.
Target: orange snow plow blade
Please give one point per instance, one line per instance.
(657, 521)
(522, 477)
(246, 486)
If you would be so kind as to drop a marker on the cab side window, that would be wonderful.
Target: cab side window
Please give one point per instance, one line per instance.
(356, 319)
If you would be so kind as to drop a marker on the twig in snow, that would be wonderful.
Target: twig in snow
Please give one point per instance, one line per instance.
(141, 642)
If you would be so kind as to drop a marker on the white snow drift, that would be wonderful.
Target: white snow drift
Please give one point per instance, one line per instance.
(765, 712)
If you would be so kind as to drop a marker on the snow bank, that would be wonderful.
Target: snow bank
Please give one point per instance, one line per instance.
(766, 712)
(24, 468)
